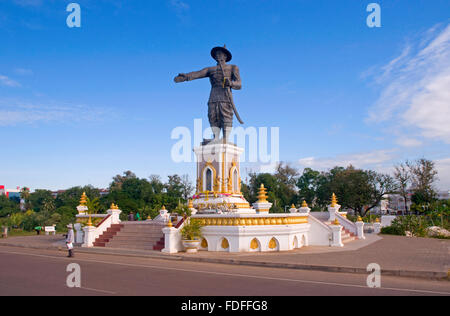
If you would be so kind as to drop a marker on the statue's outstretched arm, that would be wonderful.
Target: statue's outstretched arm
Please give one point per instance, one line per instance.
(192, 75)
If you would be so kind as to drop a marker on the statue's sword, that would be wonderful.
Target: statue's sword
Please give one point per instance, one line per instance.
(229, 95)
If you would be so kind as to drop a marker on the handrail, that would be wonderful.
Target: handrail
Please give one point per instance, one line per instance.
(99, 224)
(347, 223)
(179, 223)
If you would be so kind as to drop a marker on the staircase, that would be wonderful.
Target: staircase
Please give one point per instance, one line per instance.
(347, 236)
(133, 235)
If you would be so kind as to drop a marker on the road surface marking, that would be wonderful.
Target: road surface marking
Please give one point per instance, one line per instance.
(232, 274)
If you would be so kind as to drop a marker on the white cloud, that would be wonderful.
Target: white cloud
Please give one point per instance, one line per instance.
(443, 168)
(375, 159)
(5, 81)
(416, 88)
(405, 141)
(17, 113)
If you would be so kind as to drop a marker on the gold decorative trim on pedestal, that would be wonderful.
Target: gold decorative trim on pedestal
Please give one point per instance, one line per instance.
(272, 243)
(251, 221)
(225, 244)
(214, 177)
(254, 244)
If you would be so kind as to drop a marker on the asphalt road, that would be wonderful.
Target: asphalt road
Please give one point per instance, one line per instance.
(43, 272)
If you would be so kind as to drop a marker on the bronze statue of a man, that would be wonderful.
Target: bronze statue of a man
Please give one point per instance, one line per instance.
(223, 78)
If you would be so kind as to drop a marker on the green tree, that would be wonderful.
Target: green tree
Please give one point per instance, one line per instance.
(424, 175)
(38, 199)
(308, 184)
(402, 175)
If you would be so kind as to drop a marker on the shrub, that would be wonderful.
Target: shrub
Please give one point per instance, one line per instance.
(192, 230)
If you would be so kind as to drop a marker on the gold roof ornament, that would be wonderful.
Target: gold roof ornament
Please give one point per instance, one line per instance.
(333, 200)
(262, 194)
(304, 204)
(83, 200)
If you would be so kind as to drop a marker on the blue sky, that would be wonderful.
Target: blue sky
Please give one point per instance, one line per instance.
(79, 105)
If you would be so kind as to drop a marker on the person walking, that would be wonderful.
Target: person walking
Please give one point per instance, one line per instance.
(70, 240)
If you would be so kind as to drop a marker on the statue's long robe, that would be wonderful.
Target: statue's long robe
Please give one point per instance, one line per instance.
(220, 109)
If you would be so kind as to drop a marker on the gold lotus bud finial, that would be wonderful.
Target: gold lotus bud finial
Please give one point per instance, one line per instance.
(359, 219)
(333, 200)
(262, 194)
(169, 223)
(83, 200)
(292, 206)
(336, 222)
(89, 223)
(113, 206)
(377, 220)
(191, 204)
(163, 208)
(304, 204)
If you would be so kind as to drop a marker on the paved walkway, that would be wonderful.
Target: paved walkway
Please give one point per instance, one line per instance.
(416, 257)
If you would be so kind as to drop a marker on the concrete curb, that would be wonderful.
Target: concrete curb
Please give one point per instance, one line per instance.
(435, 275)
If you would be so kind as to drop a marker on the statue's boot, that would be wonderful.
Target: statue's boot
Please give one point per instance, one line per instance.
(226, 133)
(216, 132)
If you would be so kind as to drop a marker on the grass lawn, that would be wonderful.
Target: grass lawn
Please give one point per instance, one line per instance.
(20, 232)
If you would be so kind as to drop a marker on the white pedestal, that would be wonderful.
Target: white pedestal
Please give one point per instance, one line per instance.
(337, 236)
(172, 240)
(377, 228)
(115, 216)
(332, 212)
(89, 236)
(360, 230)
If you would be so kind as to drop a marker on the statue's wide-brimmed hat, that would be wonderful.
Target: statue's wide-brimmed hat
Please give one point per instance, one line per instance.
(222, 49)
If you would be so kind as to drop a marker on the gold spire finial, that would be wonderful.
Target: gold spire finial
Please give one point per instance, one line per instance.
(377, 220)
(89, 223)
(169, 223)
(83, 200)
(292, 206)
(333, 200)
(262, 194)
(359, 219)
(163, 208)
(304, 204)
(191, 204)
(336, 222)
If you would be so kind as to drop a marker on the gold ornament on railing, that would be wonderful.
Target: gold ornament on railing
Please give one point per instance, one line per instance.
(336, 222)
(83, 200)
(333, 200)
(89, 223)
(191, 204)
(359, 219)
(262, 194)
(304, 204)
